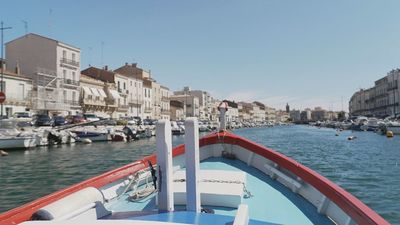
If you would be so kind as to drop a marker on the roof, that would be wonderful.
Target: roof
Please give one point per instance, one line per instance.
(100, 74)
(40, 36)
(231, 103)
(259, 104)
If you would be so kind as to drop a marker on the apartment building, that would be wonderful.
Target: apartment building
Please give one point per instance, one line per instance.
(54, 68)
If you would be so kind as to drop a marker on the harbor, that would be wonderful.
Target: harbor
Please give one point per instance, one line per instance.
(367, 163)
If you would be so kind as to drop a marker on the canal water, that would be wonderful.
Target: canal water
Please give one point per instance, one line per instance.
(368, 167)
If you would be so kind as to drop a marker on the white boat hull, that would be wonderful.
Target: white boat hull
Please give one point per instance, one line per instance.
(17, 142)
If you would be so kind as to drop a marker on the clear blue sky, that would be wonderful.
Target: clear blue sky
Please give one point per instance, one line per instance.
(308, 53)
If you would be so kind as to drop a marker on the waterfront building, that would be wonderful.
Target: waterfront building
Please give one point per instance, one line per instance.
(17, 88)
(258, 111)
(295, 116)
(165, 103)
(319, 114)
(282, 116)
(147, 99)
(152, 91)
(54, 68)
(270, 114)
(114, 99)
(381, 100)
(305, 116)
(245, 111)
(93, 97)
(232, 115)
(206, 102)
(177, 110)
(191, 104)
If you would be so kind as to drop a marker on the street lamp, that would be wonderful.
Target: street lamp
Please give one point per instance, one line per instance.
(2, 28)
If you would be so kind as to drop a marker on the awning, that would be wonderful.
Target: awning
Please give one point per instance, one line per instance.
(102, 93)
(115, 94)
(87, 90)
(95, 91)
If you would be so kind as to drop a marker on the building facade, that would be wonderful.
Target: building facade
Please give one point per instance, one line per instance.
(17, 88)
(54, 68)
(381, 100)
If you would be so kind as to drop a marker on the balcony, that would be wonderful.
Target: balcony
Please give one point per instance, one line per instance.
(69, 62)
(148, 110)
(71, 82)
(164, 99)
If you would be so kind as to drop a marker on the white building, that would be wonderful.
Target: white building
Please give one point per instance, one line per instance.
(191, 104)
(93, 97)
(54, 68)
(148, 100)
(206, 102)
(17, 89)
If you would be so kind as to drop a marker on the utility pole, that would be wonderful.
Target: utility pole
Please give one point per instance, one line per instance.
(2, 28)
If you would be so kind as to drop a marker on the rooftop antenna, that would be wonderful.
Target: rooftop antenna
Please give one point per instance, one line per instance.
(90, 55)
(25, 26)
(50, 15)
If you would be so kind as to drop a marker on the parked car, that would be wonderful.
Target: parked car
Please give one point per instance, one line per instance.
(21, 115)
(42, 120)
(89, 117)
(75, 119)
(59, 121)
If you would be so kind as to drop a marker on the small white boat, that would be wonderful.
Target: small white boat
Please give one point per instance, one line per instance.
(12, 138)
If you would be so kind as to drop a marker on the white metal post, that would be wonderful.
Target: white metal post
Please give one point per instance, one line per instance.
(164, 162)
(192, 164)
(223, 107)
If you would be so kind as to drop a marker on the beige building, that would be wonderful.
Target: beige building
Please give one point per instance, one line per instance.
(270, 114)
(191, 104)
(177, 110)
(93, 97)
(54, 68)
(381, 100)
(206, 102)
(165, 103)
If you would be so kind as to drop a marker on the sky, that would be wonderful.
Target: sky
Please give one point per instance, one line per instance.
(306, 53)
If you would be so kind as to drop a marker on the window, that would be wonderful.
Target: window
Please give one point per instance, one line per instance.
(22, 90)
(64, 54)
(73, 97)
(65, 94)
(119, 85)
(65, 74)
(73, 57)
(73, 76)
(124, 86)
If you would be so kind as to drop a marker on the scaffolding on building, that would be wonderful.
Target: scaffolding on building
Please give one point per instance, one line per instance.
(47, 91)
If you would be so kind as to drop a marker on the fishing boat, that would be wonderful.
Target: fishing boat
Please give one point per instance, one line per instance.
(221, 178)
(12, 138)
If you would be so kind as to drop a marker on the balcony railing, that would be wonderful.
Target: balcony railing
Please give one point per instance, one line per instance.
(147, 109)
(71, 82)
(123, 106)
(69, 62)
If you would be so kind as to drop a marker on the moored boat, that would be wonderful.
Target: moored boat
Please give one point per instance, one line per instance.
(12, 138)
(220, 179)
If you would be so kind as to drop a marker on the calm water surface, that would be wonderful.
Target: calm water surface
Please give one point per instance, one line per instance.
(368, 167)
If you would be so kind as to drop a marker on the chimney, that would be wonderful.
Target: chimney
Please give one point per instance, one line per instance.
(134, 65)
(126, 64)
(105, 67)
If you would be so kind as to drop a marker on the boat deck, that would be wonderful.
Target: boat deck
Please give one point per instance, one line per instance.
(272, 202)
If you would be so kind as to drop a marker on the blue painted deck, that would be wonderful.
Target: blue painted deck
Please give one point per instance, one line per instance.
(272, 202)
